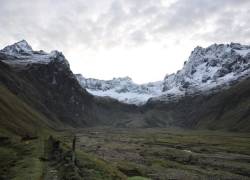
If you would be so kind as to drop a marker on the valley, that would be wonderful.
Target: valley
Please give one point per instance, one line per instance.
(53, 128)
(133, 154)
(125, 90)
(170, 153)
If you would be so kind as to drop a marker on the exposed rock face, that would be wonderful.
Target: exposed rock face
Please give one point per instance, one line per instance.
(21, 48)
(46, 81)
(209, 68)
(22, 54)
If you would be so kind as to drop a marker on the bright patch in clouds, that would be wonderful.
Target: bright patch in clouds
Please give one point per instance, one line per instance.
(143, 39)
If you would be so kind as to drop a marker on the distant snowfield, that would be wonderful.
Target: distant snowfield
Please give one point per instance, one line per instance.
(122, 89)
(128, 97)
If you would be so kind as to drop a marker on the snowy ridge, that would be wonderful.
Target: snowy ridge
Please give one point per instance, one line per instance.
(122, 89)
(207, 70)
(21, 47)
(21, 53)
(212, 68)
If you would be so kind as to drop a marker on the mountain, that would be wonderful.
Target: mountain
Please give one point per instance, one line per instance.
(42, 104)
(211, 91)
(207, 70)
(122, 89)
(19, 48)
(227, 109)
(22, 54)
(45, 82)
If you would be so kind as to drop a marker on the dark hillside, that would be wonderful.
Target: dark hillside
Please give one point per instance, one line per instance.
(228, 110)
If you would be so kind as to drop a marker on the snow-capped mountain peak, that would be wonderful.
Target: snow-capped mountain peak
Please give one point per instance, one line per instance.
(21, 53)
(212, 68)
(20, 47)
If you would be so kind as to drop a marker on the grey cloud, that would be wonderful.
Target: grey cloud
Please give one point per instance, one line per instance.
(94, 24)
(138, 37)
(188, 15)
(231, 26)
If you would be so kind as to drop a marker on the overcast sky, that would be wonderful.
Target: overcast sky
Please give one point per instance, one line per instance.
(143, 39)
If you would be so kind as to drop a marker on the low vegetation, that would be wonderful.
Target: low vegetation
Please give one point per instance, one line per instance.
(170, 153)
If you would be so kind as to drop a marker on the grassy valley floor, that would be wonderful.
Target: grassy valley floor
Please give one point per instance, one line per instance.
(133, 154)
(169, 153)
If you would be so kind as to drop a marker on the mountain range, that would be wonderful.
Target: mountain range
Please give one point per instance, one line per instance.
(211, 91)
(206, 70)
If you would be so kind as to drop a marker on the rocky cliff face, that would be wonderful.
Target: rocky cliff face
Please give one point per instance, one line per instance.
(209, 69)
(46, 82)
(21, 54)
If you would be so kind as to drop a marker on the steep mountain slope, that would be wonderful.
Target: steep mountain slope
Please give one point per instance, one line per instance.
(19, 118)
(227, 109)
(38, 98)
(209, 69)
(45, 82)
(211, 91)
(24, 145)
